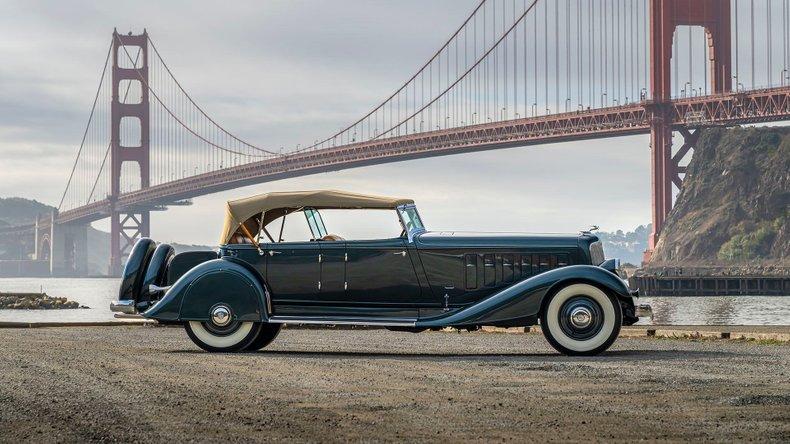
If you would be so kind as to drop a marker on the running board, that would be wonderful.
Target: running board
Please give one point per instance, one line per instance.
(324, 320)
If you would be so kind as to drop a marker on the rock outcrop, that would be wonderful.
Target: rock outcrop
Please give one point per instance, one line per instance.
(733, 209)
(35, 301)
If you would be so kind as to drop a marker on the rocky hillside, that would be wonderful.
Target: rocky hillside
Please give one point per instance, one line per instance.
(733, 207)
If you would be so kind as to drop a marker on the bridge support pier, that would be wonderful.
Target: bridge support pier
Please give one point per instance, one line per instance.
(126, 229)
(69, 250)
(43, 237)
(665, 17)
(662, 172)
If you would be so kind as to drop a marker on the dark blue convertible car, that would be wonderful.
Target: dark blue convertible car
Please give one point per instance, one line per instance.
(237, 299)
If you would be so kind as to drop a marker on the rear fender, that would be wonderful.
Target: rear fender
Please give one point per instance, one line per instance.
(224, 280)
(520, 304)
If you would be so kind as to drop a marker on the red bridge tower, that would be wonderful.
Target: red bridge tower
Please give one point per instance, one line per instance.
(127, 225)
(665, 17)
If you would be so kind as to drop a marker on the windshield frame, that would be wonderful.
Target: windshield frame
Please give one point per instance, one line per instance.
(315, 222)
(409, 212)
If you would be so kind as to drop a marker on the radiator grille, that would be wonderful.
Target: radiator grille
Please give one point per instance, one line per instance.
(596, 253)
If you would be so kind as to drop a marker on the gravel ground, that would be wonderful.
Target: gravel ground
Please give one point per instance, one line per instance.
(151, 384)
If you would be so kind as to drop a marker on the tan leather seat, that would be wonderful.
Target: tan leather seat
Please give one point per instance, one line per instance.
(240, 239)
(332, 237)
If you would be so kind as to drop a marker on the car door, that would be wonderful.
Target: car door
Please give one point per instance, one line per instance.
(380, 273)
(333, 272)
(293, 272)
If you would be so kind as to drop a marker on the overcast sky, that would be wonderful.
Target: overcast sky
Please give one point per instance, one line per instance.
(285, 72)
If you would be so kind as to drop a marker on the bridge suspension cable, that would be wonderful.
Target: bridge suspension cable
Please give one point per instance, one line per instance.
(190, 129)
(420, 72)
(87, 127)
(192, 101)
(509, 60)
(463, 76)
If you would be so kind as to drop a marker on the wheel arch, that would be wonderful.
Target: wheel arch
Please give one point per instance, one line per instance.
(223, 280)
(620, 292)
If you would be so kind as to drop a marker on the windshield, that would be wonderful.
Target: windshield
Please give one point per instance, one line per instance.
(411, 219)
(316, 223)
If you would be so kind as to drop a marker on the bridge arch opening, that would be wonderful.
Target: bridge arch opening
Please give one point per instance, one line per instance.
(690, 64)
(131, 179)
(131, 132)
(44, 249)
(127, 55)
(130, 92)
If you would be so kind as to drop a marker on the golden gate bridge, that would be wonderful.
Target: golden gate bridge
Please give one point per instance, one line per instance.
(514, 73)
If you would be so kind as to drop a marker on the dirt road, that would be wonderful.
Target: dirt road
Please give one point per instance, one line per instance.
(151, 384)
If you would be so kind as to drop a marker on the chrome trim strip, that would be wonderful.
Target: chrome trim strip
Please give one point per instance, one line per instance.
(156, 289)
(342, 321)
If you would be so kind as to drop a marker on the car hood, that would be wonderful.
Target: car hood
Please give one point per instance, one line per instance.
(464, 239)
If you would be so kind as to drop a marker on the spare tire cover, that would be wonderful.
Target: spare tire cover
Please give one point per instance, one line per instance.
(134, 270)
(156, 271)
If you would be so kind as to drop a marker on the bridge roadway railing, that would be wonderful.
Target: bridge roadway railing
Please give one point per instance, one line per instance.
(725, 109)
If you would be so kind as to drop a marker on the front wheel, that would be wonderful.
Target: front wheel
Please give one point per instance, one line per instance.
(581, 319)
(232, 337)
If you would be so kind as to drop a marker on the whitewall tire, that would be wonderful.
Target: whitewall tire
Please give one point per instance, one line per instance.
(581, 319)
(235, 336)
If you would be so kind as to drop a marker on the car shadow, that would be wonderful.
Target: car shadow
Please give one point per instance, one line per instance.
(612, 355)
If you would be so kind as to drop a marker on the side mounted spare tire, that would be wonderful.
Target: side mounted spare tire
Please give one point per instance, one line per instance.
(134, 270)
(155, 274)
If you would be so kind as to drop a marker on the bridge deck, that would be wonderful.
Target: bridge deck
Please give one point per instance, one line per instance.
(727, 109)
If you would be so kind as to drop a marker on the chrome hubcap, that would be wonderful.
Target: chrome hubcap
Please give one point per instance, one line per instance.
(220, 316)
(581, 317)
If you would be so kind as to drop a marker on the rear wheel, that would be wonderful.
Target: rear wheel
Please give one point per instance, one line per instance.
(229, 338)
(581, 319)
(221, 333)
(265, 336)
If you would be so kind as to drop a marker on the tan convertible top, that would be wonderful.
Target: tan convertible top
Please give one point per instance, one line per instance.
(274, 205)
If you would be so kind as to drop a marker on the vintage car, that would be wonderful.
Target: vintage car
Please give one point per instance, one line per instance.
(238, 298)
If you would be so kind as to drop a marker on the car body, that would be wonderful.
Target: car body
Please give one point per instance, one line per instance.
(415, 281)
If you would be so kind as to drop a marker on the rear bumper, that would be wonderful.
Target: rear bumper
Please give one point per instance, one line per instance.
(123, 306)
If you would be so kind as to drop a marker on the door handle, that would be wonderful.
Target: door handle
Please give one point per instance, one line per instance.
(402, 253)
(272, 252)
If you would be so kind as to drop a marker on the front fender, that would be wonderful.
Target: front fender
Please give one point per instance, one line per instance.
(523, 300)
(216, 281)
